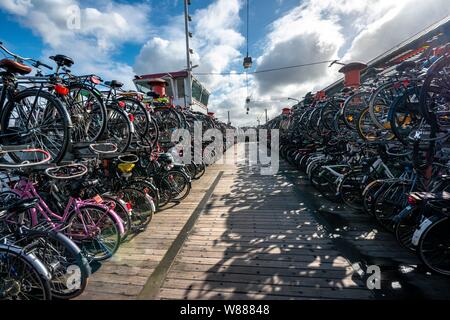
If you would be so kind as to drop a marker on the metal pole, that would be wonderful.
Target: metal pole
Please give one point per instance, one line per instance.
(229, 121)
(188, 90)
(266, 115)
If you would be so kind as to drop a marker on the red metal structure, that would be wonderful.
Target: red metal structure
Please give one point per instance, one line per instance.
(352, 74)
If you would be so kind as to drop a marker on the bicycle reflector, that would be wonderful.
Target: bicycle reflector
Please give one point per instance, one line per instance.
(412, 201)
(129, 206)
(62, 90)
(131, 117)
(122, 104)
(98, 199)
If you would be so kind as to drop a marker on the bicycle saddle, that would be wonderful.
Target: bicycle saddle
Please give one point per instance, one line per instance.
(12, 66)
(62, 61)
(114, 84)
(19, 206)
(405, 65)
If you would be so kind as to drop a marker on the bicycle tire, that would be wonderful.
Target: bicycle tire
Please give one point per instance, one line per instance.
(421, 247)
(98, 109)
(53, 105)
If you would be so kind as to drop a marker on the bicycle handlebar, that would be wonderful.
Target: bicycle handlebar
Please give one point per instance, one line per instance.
(36, 63)
(16, 56)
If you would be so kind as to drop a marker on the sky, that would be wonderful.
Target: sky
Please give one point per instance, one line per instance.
(118, 39)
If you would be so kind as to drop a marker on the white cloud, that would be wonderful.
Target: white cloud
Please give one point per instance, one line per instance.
(398, 23)
(103, 29)
(19, 7)
(327, 29)
(216, 43)
(312, 31)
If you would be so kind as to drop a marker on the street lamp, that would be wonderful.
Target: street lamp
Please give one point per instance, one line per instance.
(247, 62)
(189, 51)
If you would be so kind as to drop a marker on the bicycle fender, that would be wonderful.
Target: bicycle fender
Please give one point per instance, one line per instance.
(117, 220)
(31, 259)
(424, 225)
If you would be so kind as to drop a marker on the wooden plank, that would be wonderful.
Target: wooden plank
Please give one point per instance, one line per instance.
(267, 271)
(124, 276)
(256, 238)
(299, 281)
(273, 290)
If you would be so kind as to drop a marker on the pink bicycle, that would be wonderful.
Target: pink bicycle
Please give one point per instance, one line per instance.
(92, 225)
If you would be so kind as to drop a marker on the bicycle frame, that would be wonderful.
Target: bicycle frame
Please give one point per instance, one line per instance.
(26, 189)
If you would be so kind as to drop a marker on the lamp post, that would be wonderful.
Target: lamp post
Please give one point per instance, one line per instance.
(187, 18)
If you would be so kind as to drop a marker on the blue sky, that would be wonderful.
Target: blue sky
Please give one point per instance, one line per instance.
(121, 38)
(262, 13)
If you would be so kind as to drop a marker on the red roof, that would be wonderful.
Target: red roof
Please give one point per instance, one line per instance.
(176, 74)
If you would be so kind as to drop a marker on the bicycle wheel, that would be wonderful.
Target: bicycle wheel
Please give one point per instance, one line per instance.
(191, 169)
(142, 207)
(168, 120)
(404, 229)
(369, 195)
(20, 278)
(141, 117)
(88, 113)
(180, 185)
(434, 244)
(69, 269)
(119, 129)
(146, 185)
(381, 100)
(351, 188)
(404, 117)
(200, 170)
(389, 204)
(165, 192)
(434, 98)
(319, 178)
(353, 106)
(95, 231)
(119, 207)
(368, 131)
(39, 120)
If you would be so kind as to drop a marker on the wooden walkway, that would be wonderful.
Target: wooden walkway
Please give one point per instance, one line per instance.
(259, 237)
